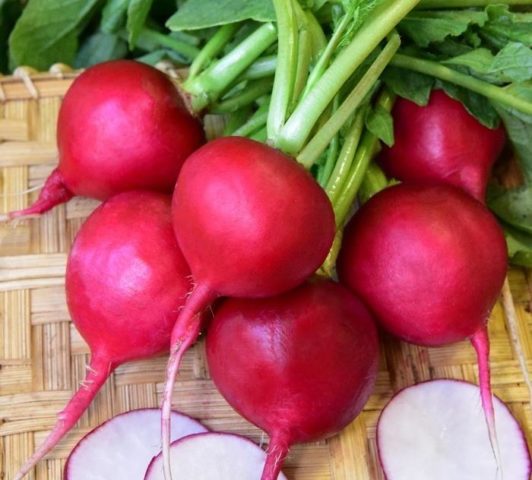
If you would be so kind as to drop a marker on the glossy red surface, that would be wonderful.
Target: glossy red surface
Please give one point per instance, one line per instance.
(250, 221)
(442, 142)
(126, 277)
(123, 126)
(301, 365)
(429, 261)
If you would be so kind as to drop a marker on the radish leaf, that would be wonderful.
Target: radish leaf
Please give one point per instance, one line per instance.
(137, 12)
(114, 15)
(512, 64)
(413, 86)
(380, 122)
(47, 32)
(474, 103)
(100, 47)
(425, 28)
(515, 206)
(194, 15)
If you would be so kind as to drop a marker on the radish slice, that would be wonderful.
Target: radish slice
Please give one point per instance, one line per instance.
(122, 447)
(212, 456)
(437, 430)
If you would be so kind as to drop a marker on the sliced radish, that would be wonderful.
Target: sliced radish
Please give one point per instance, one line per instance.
(437, 430)
(212, 456)
(122, 447)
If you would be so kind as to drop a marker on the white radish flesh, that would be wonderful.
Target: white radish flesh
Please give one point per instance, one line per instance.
(122, 447)
(437, 430)
(212, 456)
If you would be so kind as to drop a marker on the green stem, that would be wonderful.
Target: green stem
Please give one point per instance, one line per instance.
(286, 65)
(210, 85)
(214, 46)
(332, 152)
(325, 58)
(236, 120)
(374, 181)
(345, 202)
(163, 40)
(329, 265)
(260, 135)
(381, 22)
(304, 56)
(345, 159)
(469, 3)
(365, 152)
(257, 121)
(332, 155)
(263, 67)
(428, 67)
(252, 91)
(319, 142)
(319, 40)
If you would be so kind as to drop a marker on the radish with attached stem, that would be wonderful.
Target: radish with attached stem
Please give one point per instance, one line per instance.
(251, 222)
(300, 365)
(442, 142)
(125, 282)
(122, 126)
(430, 262)
(435, 430)
(212, 456)
(122, 447)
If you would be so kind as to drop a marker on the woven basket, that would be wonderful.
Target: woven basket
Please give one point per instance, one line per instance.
(43, 358)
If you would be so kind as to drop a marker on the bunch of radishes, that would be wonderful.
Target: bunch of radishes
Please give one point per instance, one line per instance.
(295, 355)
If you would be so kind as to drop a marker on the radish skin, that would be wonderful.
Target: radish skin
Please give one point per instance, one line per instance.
(300, 365)
(122, 126)
(442, 143)
(126, 279)
(430, 262)
(251, 222)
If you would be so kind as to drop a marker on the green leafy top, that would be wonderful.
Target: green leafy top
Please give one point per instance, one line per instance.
(196, 14)
(47, 32)
(425, 28)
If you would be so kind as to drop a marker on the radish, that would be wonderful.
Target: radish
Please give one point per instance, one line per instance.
(122, 126)
(442, 142)
(251, 222)
(212, 456)
(430, 262)
(122, 447)
(435, 430)
(300, 365)
(125, 282)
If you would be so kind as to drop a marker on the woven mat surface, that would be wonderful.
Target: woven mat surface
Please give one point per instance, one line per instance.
(43, 358)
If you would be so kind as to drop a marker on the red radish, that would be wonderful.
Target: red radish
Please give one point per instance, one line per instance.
(435, 430)
(300, 366)
(122, 126)
(251, 222)
(125, 282)
(430, 262)
(442, 142)
(122, 447)
(212, 456)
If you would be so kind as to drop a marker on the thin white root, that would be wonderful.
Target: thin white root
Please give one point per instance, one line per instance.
(511, 322)
(24, 192)
(14, 222)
